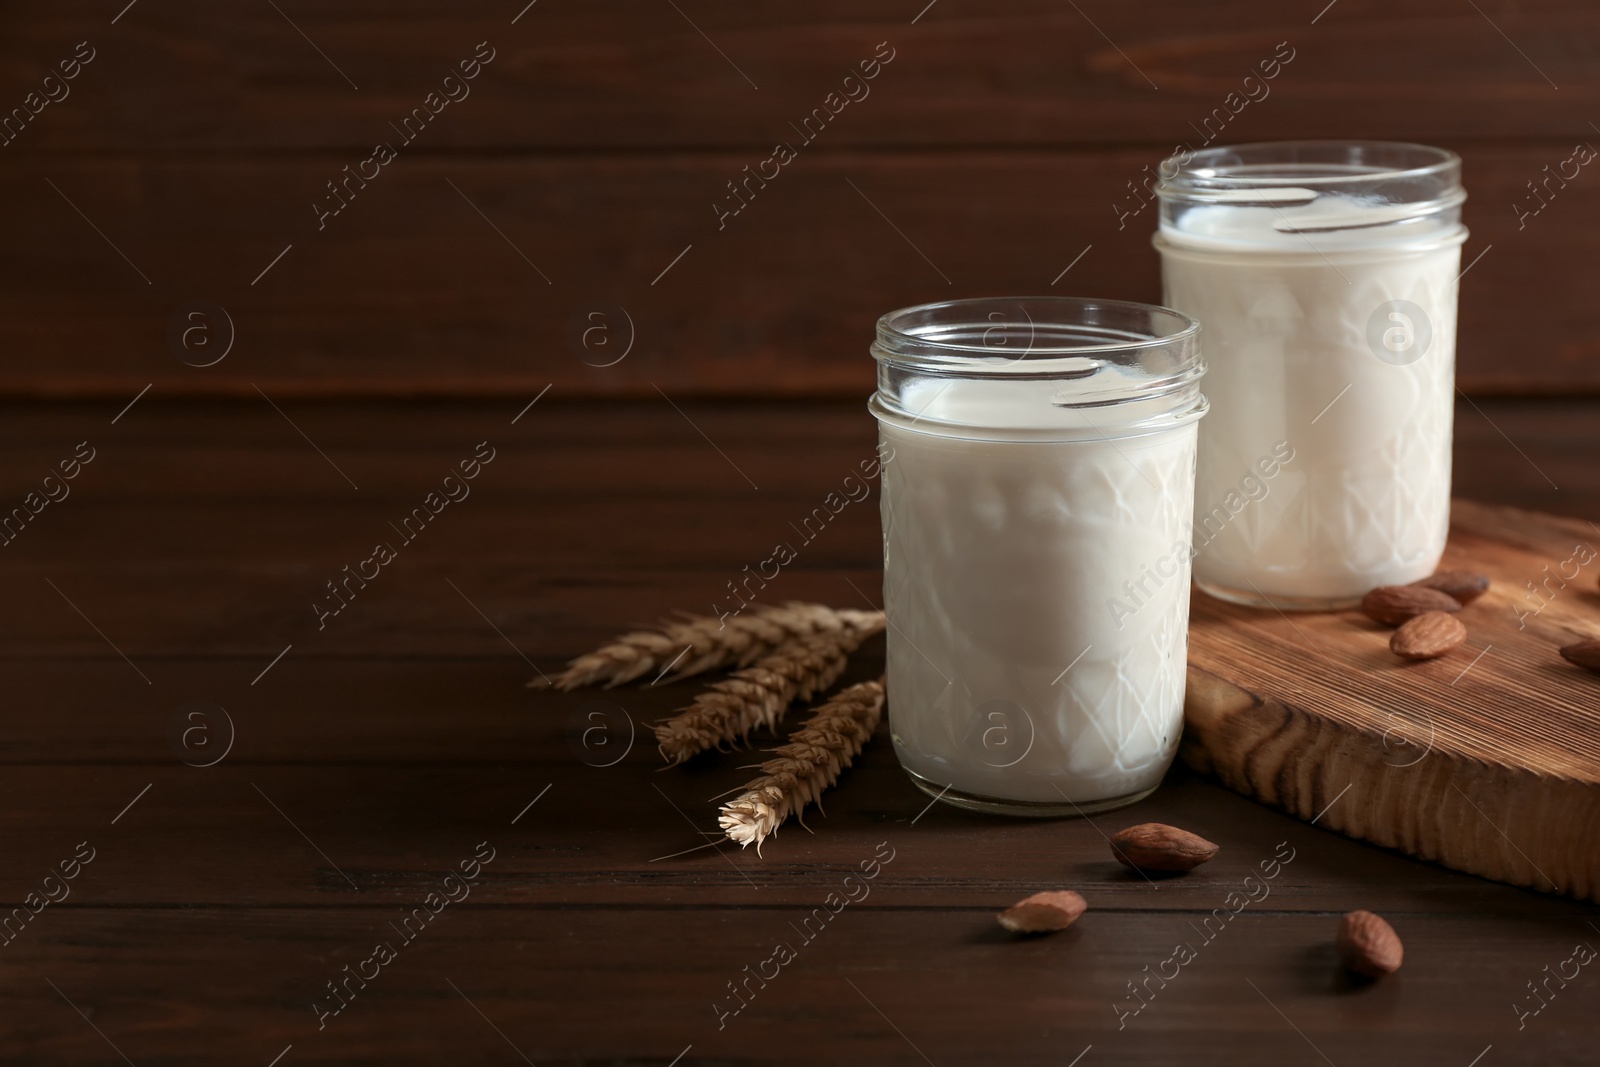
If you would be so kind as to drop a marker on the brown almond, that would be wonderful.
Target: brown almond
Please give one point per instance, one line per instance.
(1368, 945)
(1462, 586)
(1043, 913)
(1394, 604)
(1154, 846)
(1431, 634)
(1584, 654)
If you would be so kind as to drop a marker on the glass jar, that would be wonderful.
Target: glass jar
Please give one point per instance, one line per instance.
(1038, 476)
(1325, 275)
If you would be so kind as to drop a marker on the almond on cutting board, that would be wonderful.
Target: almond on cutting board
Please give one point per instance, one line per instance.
(1155, 846)
(1427, 636)
(1043, 913)
(1368, 945)
(1462, 586)
(1584, 654)
(1394, 604)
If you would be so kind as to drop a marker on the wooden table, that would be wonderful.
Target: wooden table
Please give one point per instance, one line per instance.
(371, 757)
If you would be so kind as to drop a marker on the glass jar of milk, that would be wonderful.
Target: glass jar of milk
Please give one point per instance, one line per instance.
(1038, 477)
(1324, 275)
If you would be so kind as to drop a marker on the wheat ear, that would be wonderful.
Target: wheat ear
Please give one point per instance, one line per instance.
(811, 762)
(699, 643)
(760, 695)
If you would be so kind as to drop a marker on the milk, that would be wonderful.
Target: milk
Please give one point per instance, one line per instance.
(1329, 330)
(1036, 562)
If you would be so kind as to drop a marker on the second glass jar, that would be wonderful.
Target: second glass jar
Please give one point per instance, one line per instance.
(1324, 274)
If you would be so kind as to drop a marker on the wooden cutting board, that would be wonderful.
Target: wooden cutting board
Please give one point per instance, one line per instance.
(1486, 760)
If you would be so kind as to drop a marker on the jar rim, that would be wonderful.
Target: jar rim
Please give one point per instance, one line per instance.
(1041, 363)
(1307, 163)
(945, 339)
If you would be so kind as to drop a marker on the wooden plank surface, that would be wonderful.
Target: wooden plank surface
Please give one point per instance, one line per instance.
(676, 520)
(877, 986)
(1486, 760)
(411, 292)
(1001, 143)
(372, 754)
(638, 75)
(384, 750)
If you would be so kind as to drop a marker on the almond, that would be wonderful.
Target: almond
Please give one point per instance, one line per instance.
(1463, 586)
(1368, 945)
(1394, 604)
(1584, 653)
(1154, 846)
(1043, 913)
(1431, 634)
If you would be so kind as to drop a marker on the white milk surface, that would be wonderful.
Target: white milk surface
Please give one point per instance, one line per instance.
(1038, 598)
(1285, 319)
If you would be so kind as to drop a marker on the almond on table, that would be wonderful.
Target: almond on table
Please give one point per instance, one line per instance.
(1042, 913)
(1463, 586)
(1428, 636)
(1368, 945)
(1155, 846)
(1584, 654)
(1394, 604)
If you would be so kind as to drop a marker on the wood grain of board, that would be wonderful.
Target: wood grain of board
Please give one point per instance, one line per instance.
(1485, 760)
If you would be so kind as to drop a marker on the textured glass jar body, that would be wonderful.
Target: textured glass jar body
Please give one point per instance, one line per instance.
(1324, 276)
(1036, 505)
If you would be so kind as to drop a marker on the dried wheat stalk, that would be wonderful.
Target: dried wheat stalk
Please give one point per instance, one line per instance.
(759, 695)
(699, 643)
(810, 763)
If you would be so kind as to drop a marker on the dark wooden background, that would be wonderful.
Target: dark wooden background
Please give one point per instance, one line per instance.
(997, 141)
(372, 755)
